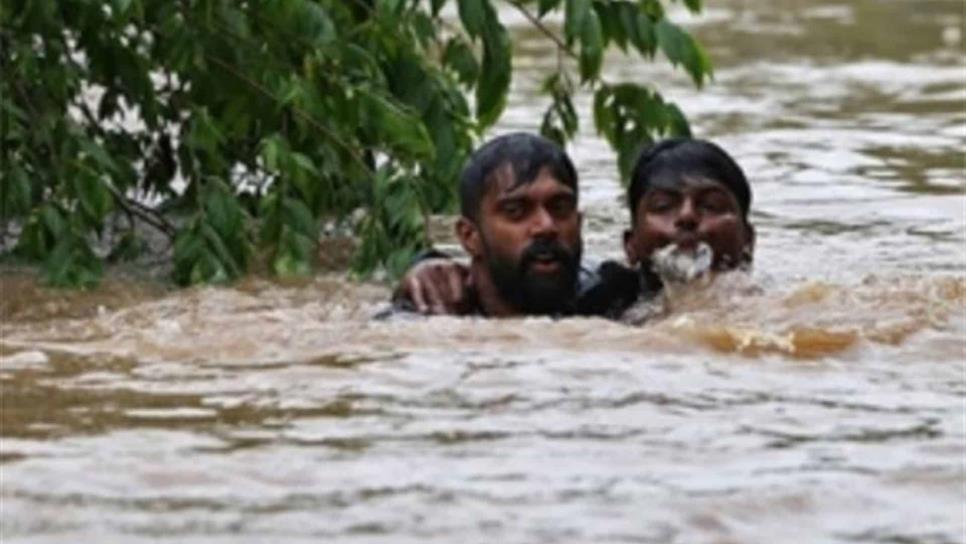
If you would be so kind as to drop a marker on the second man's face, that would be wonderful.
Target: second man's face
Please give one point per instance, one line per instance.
(532, 240)
(686, 212)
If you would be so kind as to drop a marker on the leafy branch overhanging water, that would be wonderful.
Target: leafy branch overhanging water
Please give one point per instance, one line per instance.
(237, 129)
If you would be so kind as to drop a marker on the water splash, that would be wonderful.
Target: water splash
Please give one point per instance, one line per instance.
(680, 270)
(677, 265)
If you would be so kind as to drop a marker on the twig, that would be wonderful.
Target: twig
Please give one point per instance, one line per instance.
(543, 28)
(149, 216)
(131, 207)
(305, 116)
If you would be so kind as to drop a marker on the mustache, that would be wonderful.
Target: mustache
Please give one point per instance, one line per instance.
(544, 250)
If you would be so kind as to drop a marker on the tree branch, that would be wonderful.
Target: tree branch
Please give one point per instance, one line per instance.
(543, 28)
(132, 207)
(303, 115)
(146, 214)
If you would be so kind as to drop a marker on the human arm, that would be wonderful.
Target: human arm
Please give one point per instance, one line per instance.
(435, 285)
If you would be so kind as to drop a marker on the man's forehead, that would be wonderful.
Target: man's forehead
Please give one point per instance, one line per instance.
(504, 183)
(687, 182)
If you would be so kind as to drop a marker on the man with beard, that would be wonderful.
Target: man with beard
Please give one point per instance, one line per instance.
(520, 226)
(689, 203)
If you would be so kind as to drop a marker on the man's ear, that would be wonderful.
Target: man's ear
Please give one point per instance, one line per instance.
(469, 237)
(629, 250)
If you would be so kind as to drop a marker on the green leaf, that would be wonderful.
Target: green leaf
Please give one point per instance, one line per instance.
(71, 263)
(120, 8)
(287, 265)
(603, 114)
(59, 262)
(222, 211)
(275, 153)
(33, 243)
(236, 22)
(219, 247)
(11, 109)
(652, 8)
(693, 5)
(424, 28)
(208, 269)
(296, 254)
(402, 205)
(204, 134)
(568, 115)
(297, 216)
(270, 213)
(627, 151)
(575, 15)
(188, 250)
(55, 222)
(546, 6)
(400, 260)
(552, 132)
(435, 6)
(15, 194)
(312, 22)
(494, 81)
(592, 47)
(97, 153)
(641, 32)
(391, 8)
(95, 199)
(306, 175)
(460, 58)
(399, 128)
(680, 48)
(677, 123)
(610, 20)
(473, 15)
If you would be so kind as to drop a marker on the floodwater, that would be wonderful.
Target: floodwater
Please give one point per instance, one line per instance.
(822, 399)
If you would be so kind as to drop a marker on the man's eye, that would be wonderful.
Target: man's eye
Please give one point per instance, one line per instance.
(561, 206)
(513, 210)
(660, 203)
(715, 204)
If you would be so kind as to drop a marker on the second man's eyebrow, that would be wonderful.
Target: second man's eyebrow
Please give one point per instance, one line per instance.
(510, 198)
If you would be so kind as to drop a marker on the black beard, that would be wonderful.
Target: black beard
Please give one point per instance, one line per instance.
(537, 294)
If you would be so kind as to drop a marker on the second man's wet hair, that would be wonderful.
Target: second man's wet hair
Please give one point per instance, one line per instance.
(525, 154)
(678, 157)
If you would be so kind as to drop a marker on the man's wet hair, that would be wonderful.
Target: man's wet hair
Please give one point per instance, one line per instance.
(675, 158)
(525, 154)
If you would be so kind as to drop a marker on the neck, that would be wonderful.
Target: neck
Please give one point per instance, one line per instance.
(490, 300)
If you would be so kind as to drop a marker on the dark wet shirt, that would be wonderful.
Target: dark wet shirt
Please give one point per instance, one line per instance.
(612, 289)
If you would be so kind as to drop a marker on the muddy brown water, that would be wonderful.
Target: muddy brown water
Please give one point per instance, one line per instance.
(821, 399)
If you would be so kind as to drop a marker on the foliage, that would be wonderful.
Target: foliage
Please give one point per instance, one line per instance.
(248, 125)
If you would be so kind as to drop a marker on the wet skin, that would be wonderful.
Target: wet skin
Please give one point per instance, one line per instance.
(513, 218)
(686, 211)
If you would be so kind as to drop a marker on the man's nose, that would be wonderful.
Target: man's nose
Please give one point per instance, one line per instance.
(687, 218)
(543, 225)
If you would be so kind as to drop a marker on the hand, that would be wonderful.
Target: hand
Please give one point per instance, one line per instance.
(436, 286)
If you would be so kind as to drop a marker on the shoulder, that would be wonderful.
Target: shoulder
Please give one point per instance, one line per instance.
(607, 289)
